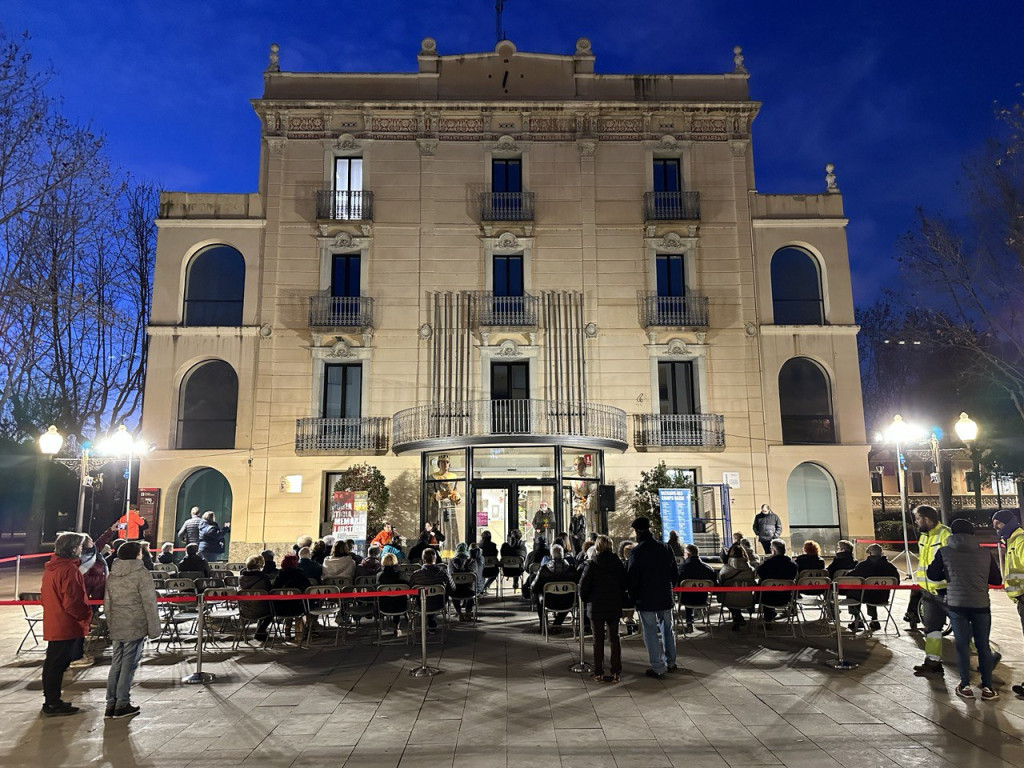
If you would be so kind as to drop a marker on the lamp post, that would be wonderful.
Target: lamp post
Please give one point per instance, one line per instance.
(880, 469)
(50, 443)
(121, 443)
(967, 430)
(899, 432)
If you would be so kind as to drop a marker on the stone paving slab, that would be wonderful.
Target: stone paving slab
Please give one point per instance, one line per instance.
(506, 699)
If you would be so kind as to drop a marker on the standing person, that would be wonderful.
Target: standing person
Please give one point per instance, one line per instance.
(577, 530)
(651, 573)
(603, 588)
(66, 620)
(932, 594)
(189, 532)
(674, 545)
(543, 519)
(211, 537)
(968, 570)
(131, 526)
(130, 608)
(1007, 525)
(767, 526)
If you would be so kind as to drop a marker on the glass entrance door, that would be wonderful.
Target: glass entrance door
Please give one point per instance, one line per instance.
(504, 506)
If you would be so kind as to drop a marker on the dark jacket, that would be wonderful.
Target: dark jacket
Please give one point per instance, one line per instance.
(211, 538)
(254, 609)
(695, 568)
(66, 615)
(433, 574)
(416, 551)
(651, 573)
(189, 531)
(556, 570)
(767, 526)
(290, 578)
(165, 558)
(578, 526)
(874, 566)
(488, 549)
(514, 550)
(390, 574)
(806, 562)
(843, 561)
(967, 569)
(604, 588)
(313, 570)
(368, 566)
(777, 567)
(196, 564)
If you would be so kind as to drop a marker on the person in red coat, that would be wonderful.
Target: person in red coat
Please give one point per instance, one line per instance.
(66, 620)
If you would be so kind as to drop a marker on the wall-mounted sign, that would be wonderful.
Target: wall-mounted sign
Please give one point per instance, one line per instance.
(291, 484)
(732, 479)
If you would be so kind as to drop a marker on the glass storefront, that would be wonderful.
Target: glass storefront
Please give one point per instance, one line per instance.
(534, 489)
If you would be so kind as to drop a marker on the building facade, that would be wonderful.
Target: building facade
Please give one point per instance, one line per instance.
(512, 285)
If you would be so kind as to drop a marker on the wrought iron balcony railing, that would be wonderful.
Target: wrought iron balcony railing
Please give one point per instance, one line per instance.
(332, 205)
(672, 206)
(364, 435)
(506, 206)
(505, 311)
(490, 421)
(696, 430)
(689, 311)
(808, 430)
(340, 311)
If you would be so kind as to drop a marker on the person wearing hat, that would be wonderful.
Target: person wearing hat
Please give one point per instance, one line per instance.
(968, 571)
(651, 574)
(933, 536)
(1007, 526)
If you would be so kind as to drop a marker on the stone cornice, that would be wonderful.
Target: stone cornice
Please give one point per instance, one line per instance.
(212, 223)
(798, 222)
(206, 330)
(826, 330)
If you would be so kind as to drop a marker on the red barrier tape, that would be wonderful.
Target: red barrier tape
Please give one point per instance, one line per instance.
(810, 588)
(909, 541)
(25, 557)
(231, 598)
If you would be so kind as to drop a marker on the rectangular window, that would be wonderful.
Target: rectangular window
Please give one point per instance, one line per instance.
(510, 393)
(666, 176)
(345, 275)
(876, 482)
(508, 275)
(343, 386)
(507, 175)
(671, 276)
(970, 479)
(675, 388)
(348, 189)
(916, 482)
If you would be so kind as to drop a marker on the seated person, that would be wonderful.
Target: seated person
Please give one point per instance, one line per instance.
(390, 573)
(843, 560)
(432, 573)
(739, 567)
(369, 564)
(777, 566)
(432, 534)
(166, 556)
(313, 570)
(556, 569)
(290, 577)
(875, 564)
(416, 552)
(253, 577)
(466, 561)
(269, 566)
(394, 547)
(193, 562)
(338, 565)
(694, 568)
(810, 560)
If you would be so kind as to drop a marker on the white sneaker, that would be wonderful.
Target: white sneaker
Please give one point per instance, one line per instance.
(83, 663)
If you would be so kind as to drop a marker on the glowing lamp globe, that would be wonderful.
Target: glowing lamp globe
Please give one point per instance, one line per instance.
(966, 428)
(50, 441)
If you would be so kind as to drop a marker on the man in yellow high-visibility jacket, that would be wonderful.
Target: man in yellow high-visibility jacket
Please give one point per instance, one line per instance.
(1007, 525)
(933, 593)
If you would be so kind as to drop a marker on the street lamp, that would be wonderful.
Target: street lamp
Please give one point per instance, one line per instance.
(50, 443)
(967, 430)
(880, 469)
(121, 443)
(899, 432)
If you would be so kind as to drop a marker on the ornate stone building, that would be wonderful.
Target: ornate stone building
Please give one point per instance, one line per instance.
(512, 284)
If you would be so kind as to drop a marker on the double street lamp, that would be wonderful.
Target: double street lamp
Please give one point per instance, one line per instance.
(967, 430)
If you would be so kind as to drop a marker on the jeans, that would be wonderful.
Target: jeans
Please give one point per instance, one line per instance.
(661, 651)
(125, 655)
(59, 655)
(972, 624)
(612, 627)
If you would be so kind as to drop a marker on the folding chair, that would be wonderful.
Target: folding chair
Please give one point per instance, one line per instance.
(465, 589)
(193, 575)
(850, 599)
(32, 618)
(491, 571)
(354, 610)
(220, 615)
(317, 609)
(783, 604)
(881, 600)
(231, 581)
(204, 584)
(698, 602)
(392, 608)
(165, 567)
(237, 568)
(813, 600)
(433, 600)
(511, 568)
(177, 615)
(558, 597)
(736, 601)
(284, 613)
(407, 569)
(254, 618)
(220, 573)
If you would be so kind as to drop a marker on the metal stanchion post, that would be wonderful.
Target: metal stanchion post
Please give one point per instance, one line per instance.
(581, 665)
(198, 676)
(17, 578)
(423, 670)
(839, 662)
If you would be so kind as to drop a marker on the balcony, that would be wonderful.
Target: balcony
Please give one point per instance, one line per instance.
(492, 311)
(704, 431)
(689, 311)
(327, 436)
(484, 422)
(808, 430)
(340, 311)
(344, 206)
(506, 206)
(672, 206)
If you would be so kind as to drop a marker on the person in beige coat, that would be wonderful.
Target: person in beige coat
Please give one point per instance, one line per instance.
(130, 608)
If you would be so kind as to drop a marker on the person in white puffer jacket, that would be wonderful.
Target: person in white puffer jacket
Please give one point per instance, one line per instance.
(130, 608)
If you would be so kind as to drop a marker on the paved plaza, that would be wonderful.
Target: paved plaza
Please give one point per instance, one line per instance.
(505, 699)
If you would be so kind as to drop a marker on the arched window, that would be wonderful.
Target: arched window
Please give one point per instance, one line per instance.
(215, 287)
(207, 405)
(209, 490)
(805, 401)
(796, 288)
(813, 507)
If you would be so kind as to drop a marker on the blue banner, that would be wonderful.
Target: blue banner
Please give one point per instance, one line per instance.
(676, 513)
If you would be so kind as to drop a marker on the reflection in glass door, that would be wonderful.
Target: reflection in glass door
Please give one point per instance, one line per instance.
(492, 513)
(537, 513)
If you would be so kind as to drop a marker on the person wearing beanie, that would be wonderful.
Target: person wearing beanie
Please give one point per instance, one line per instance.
(933, 536)
(1007, 526)
(968, 571)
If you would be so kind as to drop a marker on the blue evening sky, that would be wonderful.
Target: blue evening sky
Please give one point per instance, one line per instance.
(896, 94)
